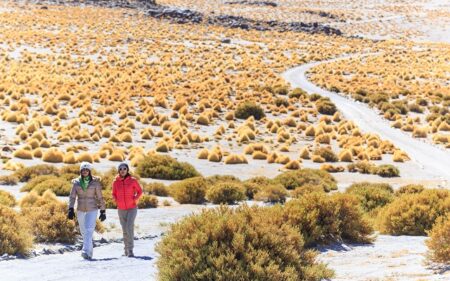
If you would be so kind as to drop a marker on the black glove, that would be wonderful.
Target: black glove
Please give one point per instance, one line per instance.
(102, 216)
(71, 214)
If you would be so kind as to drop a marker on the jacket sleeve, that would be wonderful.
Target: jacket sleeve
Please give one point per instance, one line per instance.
(98, 191)
(114, 192)
(73, 196)
(137, 190)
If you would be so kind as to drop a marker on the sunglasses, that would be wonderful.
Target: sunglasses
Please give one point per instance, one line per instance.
(123, 169)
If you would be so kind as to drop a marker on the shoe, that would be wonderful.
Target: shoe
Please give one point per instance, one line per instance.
(85, 256)
(130, 254)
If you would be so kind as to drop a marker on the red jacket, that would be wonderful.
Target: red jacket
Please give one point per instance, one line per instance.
(126, 192)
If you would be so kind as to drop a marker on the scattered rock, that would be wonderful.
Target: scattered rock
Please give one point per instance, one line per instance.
(255, 3)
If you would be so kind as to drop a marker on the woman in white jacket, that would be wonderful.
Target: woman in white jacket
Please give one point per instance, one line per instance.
(88, 190)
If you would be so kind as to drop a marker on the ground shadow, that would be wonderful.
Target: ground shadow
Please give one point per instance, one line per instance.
(105, 259)
(341, 247)
(145, 258)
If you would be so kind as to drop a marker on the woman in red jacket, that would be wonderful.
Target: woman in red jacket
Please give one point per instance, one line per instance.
(126, 192)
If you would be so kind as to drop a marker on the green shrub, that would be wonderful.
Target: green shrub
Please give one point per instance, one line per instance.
(48, 219)
(297, 93)
(247, 109)
(27, 173)
(294, 179)
(413, 214)
(236, 244)
(156, 188)
(306, 189)
(221, 178)
(189, 191)
(410, 189)
(9, 180)
(59, 186)
(325, 106)
(255, 184)
(147, 201)
(274, 193)
(363, 167)
(165, 167)
(7, 199)
(387, 171)
(15, 237)
(327, 154)
(281, 102)
(372, 195)
(226, 193)
(439, 242)
(323, 219)
(35, 181)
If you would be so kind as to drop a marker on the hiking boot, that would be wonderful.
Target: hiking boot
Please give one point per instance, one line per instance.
(85, 256)
(130, 254)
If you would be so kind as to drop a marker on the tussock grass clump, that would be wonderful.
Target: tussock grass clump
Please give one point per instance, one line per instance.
(53, 155)
(23, 154)
(189, 191)
(7, 199)
(27, 173)
(439, 242)
(48, 218)
(147, 201)
(9, 180)
(246, 109)
(413, 214)
(372, 196)
(306, 189)
(156, 188)
(323, 218)
(325, 106)
(226, 193)
(294, 179)
(16, 237)
(410, 189)
(227, 251)
(165, 167)
(326, 153)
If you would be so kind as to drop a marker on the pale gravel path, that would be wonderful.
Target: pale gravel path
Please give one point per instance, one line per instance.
(434, 161)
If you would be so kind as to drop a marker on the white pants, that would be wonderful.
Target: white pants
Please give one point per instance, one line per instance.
(86, 220)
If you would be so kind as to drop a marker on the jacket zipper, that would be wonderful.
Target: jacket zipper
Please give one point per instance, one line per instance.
(123, 192)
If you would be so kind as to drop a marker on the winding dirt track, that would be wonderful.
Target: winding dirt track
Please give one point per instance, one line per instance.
(433, 160)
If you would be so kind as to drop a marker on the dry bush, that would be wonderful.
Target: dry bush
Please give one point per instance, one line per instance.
(409, 189)
(165, 167)
(23, 154)
(9, 180)
(413, 214)
(325, 106)
(246, 109)
(272, 193)
(156, 188)
(387, 171)
(331, 168)
(306, 189)
(323, 219)
(189, 191)
(15, 235)
(48, 218)
(226, 192)
(7, 199)
(25, 174)
(363, 167)
(439, 242)
(59, 186)
(294, 179)
(255, 184)
(326, 153)
(372, 196)
(237, 244)
(35, 181)
(147, 201)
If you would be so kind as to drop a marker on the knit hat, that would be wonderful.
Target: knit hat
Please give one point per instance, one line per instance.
(122, 165)
(86, 165)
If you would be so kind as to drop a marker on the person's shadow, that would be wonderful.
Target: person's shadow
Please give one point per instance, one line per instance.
(104, 259)
(145, 258)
